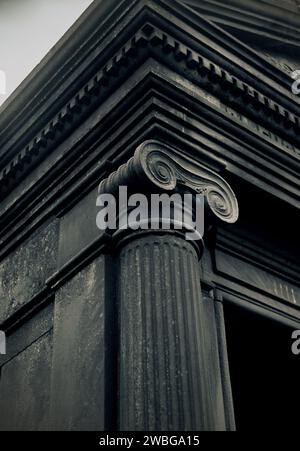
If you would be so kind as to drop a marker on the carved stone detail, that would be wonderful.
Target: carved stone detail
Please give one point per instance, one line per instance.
(156, 166)
(287, 122)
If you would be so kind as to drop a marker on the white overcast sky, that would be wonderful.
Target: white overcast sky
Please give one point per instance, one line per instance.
(28, 30)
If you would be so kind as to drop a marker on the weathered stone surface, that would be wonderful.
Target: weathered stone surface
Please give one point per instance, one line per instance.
(78, 228)
(28, 331)
(23, 273)
(169, 367)
(263, 280)
(78, 373)
(25, 388)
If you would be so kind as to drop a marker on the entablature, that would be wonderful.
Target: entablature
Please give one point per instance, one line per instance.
(220, 63)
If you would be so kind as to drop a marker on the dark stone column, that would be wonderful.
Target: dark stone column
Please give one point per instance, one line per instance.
(164, 378)
(161, 368)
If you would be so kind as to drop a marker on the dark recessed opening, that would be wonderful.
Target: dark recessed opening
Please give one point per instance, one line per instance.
(265, 374)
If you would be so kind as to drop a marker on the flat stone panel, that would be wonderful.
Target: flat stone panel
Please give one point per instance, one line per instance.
(29, 331)
(25, 388)
(78, 377)
(78, 228)
(23, 273)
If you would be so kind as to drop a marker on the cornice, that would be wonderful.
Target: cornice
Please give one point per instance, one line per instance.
(69, 55)
(210, 75)
(152, 40)
(270, 22)
(225, 47)
(227, 85)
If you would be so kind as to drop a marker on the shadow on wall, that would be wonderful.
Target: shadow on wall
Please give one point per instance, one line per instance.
(265, 373)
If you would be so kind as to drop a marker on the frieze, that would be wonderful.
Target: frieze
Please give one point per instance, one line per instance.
(253, 126)
(242, 258)
(257, 278)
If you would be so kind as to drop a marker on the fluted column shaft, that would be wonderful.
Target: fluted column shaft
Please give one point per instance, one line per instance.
(161, 387)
